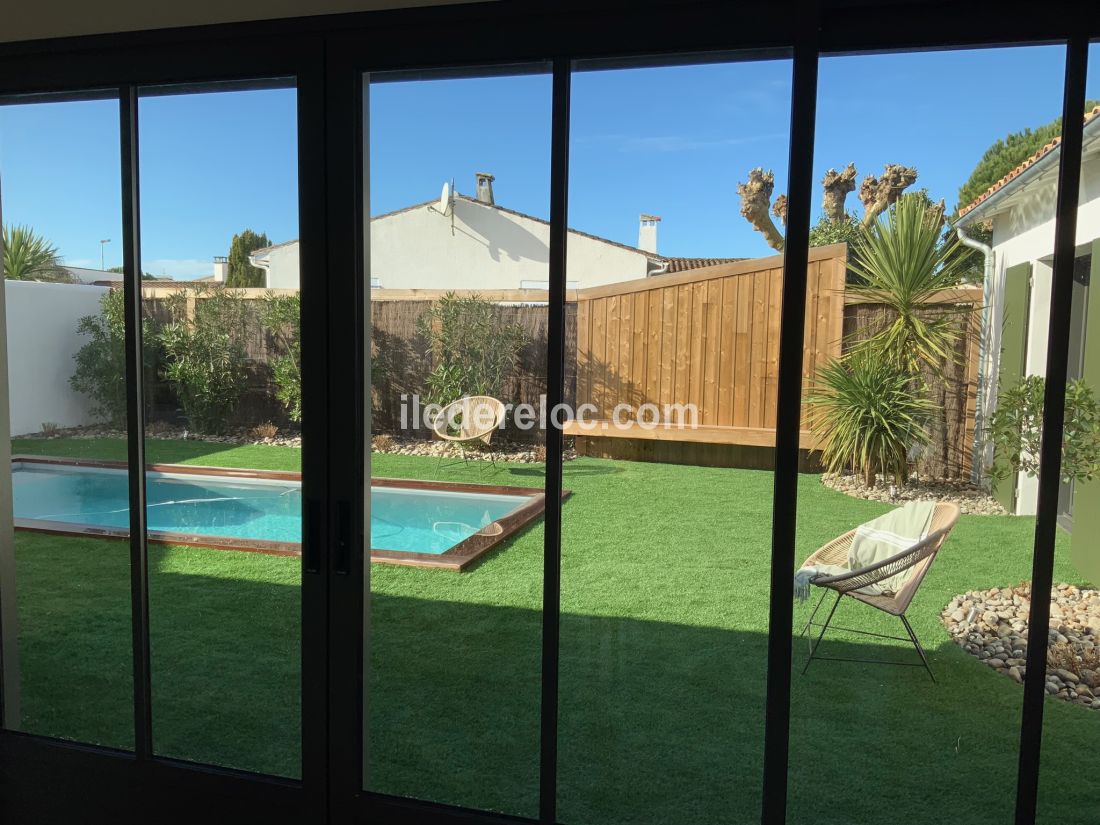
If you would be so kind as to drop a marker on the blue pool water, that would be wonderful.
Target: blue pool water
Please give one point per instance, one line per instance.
(418, 521)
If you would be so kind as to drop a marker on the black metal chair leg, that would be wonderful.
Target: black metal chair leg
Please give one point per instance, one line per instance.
(824, 593)
(821, 635)
(917, 645)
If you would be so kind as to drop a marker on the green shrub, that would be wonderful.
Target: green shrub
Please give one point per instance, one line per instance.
(826, 231)
(101, 363)
(1016, 430)
(282, 317)
(472, 352)
(900, 262)
(868, 416)
(204, 357)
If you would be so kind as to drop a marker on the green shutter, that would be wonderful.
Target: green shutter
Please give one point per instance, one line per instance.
(1017, 295)
(1085, 544)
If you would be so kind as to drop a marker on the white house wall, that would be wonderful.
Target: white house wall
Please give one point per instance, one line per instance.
(284, 268)
(488, 249)
(1025, 233)
(42, 340)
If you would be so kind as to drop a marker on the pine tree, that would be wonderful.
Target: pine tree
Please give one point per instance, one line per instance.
(241, 272)
(1008, 153)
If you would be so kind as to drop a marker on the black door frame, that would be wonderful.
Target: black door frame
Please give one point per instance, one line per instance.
(326, 54)
(134, 786)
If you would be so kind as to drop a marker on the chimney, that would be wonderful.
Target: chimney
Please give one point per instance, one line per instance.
(485, 188)
(647, 232)
(221, 269)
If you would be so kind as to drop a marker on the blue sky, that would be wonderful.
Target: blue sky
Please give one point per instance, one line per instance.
(673, 141)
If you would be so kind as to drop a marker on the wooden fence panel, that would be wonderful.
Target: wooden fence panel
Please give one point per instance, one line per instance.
(709, 337)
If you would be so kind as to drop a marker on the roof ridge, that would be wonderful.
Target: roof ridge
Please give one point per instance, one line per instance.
(1040, 153)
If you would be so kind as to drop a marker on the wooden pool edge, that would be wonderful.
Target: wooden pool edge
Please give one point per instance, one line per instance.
(459, 558)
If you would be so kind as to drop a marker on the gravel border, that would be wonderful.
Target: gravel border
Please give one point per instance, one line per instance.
(972, 500)
(502, 450)
(992, 626)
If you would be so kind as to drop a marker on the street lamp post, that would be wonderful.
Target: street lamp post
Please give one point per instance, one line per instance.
(102, 249)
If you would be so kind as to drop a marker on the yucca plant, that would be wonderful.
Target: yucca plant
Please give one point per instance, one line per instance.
(867, 415)
(900, 262)
(29, 256)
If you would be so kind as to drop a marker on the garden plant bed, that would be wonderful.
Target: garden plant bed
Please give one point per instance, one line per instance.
(499, 451)
(992, 625)
(392, 445)
(971, 499)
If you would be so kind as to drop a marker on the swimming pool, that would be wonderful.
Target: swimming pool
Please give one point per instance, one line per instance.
(412, 522)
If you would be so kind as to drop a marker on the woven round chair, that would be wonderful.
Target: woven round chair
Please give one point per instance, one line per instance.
(469, 420)
(916, 560)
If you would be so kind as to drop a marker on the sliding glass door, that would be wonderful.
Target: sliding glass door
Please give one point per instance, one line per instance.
(408, 424)
(160, 534)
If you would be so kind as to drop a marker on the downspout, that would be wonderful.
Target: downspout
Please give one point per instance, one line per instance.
(265, 265)
(658, 268)
(978, 448)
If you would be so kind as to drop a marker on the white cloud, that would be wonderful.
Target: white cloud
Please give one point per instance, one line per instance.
(183, 269)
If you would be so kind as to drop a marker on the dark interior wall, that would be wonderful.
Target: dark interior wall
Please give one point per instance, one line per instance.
(66, 18)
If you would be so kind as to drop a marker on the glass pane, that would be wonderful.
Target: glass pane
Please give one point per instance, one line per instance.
(219, 209)
(459, 198)
(1071, 717)
(67, 648)
(902, 417)
(666, 535)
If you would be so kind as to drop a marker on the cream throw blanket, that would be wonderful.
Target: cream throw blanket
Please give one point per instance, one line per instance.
(876, 541)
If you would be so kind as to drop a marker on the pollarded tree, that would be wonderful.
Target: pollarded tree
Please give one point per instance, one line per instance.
(241, 272)
(876, 195)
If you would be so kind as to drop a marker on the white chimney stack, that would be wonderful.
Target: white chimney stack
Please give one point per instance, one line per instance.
(221, 269)
(647, 232)
(485, 188)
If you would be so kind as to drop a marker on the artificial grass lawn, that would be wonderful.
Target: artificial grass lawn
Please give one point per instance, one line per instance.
(663, 655)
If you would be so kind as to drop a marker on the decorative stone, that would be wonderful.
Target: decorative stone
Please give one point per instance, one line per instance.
(502, 451)
(991, 625)
(971, 499)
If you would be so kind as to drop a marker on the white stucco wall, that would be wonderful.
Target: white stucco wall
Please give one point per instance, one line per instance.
(489, 248)
(283, 265)
(42, 340)
(1025, 233)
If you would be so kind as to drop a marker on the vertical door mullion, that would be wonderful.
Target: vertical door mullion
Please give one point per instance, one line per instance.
(555, 376)
(347, 391)
(788, 417)
(1050, 457)
(312, 211)
(135, 422)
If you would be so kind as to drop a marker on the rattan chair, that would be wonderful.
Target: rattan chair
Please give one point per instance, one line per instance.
(917, 559)
(469, 420)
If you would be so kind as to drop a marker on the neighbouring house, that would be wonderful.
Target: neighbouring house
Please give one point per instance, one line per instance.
(1020, 208)
(93, 277)
(107, 277)
(463, 242)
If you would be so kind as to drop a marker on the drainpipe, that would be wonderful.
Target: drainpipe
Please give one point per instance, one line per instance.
(978, 449)
(265, 265)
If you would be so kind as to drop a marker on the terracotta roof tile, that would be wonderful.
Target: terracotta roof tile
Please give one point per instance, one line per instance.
(1015, 173)
(684, 264)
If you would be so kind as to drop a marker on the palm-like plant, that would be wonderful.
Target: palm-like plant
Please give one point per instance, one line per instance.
(900, 262)
(867, 414)
(29, 256)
